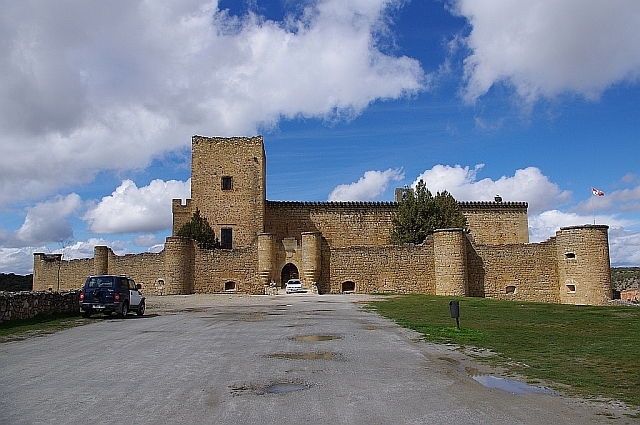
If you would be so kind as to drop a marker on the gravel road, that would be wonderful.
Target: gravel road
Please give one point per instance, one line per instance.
(234, 359)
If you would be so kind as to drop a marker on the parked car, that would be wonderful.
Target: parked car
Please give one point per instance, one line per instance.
(293, 285)
(108, 293)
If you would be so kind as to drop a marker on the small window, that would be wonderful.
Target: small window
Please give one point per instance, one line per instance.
(570, 255)
(571, 289)
(510, 289)
(226, 238)
(230, 286)
(227, 183)
(348, 286)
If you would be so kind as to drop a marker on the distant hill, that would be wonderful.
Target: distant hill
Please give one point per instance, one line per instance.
(625, 278)
(15, 283)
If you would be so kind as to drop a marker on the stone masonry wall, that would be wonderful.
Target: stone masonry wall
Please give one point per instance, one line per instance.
(390, 268)
(497, 222)
(52, 273)
(215, 268)
(369, 223)
(24, 305)
(341, 223)
(239, 207)
(523, 272)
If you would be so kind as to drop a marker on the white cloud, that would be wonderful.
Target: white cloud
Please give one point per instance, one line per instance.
(528, 185)
(549, 47)
(369, 187)
(624, 200)
(131, 209)
(91, 86)
(48, 221)
(624, 244)
(18, 260)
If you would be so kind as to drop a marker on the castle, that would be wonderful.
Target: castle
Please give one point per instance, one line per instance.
(338, 247)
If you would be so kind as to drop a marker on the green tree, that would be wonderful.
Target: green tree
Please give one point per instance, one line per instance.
(420, 213)
(198, 229)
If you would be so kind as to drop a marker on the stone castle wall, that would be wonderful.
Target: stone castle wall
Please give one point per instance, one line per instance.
(522, 272)
(497, 222)
(52, 273)
(384, 269)
(223, 270)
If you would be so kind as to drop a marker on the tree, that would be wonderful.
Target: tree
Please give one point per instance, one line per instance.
(420, 214)
(198, 229)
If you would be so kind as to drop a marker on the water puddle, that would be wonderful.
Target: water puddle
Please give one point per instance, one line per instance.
(371, 327)
(514, 387)
(303, 356)
(313, 338)
(283, 387)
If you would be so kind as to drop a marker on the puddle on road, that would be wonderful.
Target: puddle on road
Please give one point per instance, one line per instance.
(371, 327)
(313, 338)
(504, 384)
(302, 356)
(283, 387)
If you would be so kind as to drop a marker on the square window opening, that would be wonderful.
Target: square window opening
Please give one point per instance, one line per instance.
(571, 289)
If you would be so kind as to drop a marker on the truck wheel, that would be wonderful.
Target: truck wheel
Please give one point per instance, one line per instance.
(86, 313)
(141, 308)
(125, 310)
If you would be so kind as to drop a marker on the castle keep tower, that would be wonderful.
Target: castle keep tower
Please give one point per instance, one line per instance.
(228, 187)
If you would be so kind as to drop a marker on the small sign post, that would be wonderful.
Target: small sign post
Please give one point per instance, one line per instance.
(454, 308)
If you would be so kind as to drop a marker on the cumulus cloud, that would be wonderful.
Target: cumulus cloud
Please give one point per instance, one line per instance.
(91, 86)
(48, 221)
(624, 200)
(130, 209)
(528, 185)
(369, 187)
(549, 47)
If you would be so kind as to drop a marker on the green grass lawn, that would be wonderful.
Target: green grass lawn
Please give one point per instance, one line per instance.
(584, 350)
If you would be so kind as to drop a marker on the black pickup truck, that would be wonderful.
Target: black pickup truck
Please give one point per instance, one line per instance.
(108, 293)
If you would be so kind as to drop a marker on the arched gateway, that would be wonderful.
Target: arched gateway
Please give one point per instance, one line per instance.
(289, 271)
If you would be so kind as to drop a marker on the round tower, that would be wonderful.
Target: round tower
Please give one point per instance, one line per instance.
(583, 265)
(311, 256)
(266, 256)
(450, 262)
(100, 260)
(179, 259)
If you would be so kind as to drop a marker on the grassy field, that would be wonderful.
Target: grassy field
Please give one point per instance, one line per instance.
(582, 350)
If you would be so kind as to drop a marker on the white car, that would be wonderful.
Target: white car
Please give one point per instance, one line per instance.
(293, 285)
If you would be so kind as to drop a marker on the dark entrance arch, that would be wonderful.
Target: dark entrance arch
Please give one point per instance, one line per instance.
(289, 271)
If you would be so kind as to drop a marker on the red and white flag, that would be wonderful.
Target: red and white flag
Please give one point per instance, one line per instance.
(597, 192)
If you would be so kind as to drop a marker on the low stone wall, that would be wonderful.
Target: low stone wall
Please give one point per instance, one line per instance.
(24, 305)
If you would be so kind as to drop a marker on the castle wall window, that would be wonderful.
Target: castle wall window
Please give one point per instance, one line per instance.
(348, 286)
(511, 289)
(570, 255)
(227, 183)
(571, 289)
(226, 238)
(230, 286)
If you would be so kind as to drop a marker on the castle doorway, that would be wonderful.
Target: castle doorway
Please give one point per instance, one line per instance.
(289, 271)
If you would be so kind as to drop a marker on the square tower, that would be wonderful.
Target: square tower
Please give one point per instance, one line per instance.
(228, 186)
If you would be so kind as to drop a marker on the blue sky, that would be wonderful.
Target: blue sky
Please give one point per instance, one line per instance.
(535, 101)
